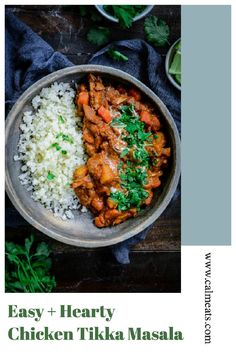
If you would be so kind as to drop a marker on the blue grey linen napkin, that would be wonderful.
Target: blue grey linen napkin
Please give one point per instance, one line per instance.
(29, 58)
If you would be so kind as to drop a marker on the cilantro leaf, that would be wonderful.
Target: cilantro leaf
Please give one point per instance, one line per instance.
(61, 119)
(65, 137)
(28, 267)
(88, 11)
(156, 30)
(124, 152)
(56, 145)
(116, 55)
(124, 13)
(50, 176)
(99, 35)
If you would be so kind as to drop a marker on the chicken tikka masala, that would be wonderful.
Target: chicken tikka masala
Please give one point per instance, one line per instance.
(126, 150)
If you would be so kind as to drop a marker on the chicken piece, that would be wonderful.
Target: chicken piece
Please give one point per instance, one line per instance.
(97, 92)
(95, 164)
(90, 114)
(149, 198)
(97, 203)
(90, 149)
(115, 97)
(85, 182)
(124, 216)
(80, 172)
(85, 195)
(153, 180)
(107, 175)
(88, 136)
(159, 142)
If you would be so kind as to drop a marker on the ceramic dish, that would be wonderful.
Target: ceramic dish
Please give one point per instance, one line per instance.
(81, 231)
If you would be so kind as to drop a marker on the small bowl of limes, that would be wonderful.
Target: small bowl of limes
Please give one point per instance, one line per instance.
(173, 64)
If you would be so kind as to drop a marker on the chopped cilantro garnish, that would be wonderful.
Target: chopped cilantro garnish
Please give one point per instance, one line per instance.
(61, 119)
(50, 176)
(64, 152)
(56, 145)
(131, 199)
(137, 138)
(132, 181)
(133, 173)
(120, 165)
(65, 137)
(155, 136)
(124, 152)
(142, 156)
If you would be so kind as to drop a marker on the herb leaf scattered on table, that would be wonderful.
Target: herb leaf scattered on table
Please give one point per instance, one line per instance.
(89, 11)
(99, 35)
(28, 267)
(156, 30)
(116, 55)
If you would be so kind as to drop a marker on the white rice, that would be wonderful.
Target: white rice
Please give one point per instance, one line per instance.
(50, 148)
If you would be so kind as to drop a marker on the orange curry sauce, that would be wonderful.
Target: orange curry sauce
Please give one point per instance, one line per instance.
(126, 151)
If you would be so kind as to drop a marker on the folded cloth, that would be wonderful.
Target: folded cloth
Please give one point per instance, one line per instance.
(29, 58)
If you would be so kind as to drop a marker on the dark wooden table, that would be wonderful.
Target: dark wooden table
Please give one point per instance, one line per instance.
(155, 262)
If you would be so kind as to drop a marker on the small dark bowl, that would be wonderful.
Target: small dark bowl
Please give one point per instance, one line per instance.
(81, 231)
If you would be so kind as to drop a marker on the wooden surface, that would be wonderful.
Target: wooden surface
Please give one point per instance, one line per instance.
(155, 262)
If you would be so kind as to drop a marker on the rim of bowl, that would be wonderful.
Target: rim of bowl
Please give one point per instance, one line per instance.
(130, 79)
(114, 19)
(167, 63)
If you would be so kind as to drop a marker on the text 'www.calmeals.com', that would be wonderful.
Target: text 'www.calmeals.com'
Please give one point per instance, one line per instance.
(208, 299)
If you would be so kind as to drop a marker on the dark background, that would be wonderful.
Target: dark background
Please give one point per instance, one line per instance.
(155, 262)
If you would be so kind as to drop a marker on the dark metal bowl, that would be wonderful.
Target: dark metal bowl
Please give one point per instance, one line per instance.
(81, 231)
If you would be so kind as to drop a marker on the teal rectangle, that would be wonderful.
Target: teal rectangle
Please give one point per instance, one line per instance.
(206, 125)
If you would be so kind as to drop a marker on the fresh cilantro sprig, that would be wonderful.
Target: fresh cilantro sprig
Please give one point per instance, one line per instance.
(28, 267)
(124, 13)
(98, 35)
(116, 55)
(157, 31)
(133, 194)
